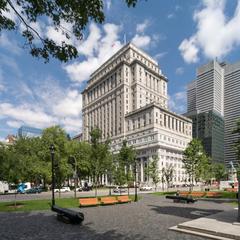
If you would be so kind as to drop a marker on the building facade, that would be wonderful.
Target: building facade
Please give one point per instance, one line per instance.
(205, 106)
(26, 131)
(127, 99)
(231, 110)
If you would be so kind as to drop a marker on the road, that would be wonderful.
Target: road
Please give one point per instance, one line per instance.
(47, 195)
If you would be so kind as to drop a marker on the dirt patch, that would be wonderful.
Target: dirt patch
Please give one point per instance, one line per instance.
(18, 205)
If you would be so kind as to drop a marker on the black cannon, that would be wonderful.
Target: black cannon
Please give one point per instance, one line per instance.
(67, 215)
(181, 199)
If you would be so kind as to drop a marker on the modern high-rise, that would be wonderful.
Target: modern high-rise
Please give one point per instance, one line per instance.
(231, 110)
(26, 131)
(205, 106)
(126, 98)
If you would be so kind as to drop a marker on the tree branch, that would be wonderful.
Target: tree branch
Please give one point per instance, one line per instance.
(23, 20)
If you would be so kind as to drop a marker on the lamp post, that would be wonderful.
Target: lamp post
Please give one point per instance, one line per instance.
(135, 199)
(53, 174)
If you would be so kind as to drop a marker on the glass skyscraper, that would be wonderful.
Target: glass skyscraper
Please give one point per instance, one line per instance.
(26, 131)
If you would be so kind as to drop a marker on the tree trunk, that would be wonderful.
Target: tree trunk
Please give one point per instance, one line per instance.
(96, 181)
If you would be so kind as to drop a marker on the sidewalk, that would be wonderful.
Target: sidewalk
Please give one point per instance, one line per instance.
(218, 226)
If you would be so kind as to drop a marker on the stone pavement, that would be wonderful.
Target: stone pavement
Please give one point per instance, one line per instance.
(218, 226)
(150, 218)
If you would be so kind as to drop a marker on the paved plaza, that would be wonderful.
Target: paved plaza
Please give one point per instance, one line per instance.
(150, 218)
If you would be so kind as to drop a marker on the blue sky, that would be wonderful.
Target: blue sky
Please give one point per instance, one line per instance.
(180, 35)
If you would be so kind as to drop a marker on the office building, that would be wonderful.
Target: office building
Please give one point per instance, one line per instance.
(126, 98)
(231, 110)
(26, 131)
(205, 106)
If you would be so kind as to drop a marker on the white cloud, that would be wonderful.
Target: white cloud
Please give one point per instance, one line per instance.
(99, 46)
(179, 71)
(170, 15)
(189, 50)
(57, 35)
(14, 124)
(217, 34)
(177, 102)
(160, 55)
(9, 44)
(71, 105)
(30, 115)
(141, 41)
(141, 27)
(90, 45)
(2, 87)
(108, 4)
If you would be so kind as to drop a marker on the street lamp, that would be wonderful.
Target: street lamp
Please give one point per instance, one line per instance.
(52, 148)
(135, 199)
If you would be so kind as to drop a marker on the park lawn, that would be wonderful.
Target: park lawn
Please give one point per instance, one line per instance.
(34, 205)
(224, 194)
(43, 204)
(163, 193)
(231, 195)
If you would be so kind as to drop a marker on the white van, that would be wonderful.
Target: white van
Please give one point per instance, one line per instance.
(4, 187)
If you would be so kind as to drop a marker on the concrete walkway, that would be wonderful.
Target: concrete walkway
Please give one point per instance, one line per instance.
(218, 226)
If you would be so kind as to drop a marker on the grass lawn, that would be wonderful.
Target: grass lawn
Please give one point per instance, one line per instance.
(224, 194)
(163, 193)
(45, 204)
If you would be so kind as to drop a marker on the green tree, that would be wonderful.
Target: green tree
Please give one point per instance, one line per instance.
(168, 173)
(236, 132)
(126, 157)
(219, 171)
(76, 14)
(100, 157)
(58, 137)
(79, 159)
(153, 171)
(194, 160)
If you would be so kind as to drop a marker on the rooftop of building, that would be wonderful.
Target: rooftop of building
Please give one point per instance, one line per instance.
(119, 52)
(153, 104)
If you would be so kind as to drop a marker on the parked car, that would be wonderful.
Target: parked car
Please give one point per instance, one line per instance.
(87, 187)
(79, 189)
(63, 189)
(146, 188)
(33, 190)
(119, 190)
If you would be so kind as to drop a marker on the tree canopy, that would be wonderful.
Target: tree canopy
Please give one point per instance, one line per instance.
(27, 14)
(195, 160)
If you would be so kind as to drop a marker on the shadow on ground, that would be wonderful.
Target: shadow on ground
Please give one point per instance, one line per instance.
(45, 226)
(185, 212)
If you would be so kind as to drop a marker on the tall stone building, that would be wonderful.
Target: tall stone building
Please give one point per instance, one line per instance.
(205, 106)
(126, 98)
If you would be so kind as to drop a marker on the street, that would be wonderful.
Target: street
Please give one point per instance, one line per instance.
(100, 192)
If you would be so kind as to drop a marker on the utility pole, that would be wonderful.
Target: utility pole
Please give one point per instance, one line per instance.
(135, 199)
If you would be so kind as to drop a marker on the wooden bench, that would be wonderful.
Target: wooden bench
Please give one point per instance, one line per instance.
(181, 199)
(197, 194)
(123, 199)
(231, 189)
(108, 200)
(183, 194)
(85, 202)
(213, 194)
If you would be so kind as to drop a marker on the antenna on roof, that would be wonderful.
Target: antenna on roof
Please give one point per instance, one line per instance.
(124, 39)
